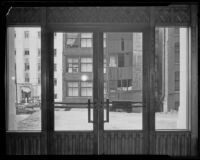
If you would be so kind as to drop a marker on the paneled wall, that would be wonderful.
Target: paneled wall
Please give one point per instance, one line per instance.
(174, 143)
(123, 142)
(72, 143)
(25, 143)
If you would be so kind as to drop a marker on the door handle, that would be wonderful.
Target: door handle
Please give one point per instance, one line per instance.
(89, 112)
(107, 111)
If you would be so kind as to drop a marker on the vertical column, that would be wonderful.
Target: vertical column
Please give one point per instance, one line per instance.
(11, 110)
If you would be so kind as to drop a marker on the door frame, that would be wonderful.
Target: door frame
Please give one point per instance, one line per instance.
(97, 30)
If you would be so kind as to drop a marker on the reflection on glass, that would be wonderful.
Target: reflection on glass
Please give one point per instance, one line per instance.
(74, 61)
(24, 77)
(123, 80)
(172, 63)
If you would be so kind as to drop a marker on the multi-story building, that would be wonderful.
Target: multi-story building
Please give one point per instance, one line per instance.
(27, 45)
(168, 67)
(122, 66)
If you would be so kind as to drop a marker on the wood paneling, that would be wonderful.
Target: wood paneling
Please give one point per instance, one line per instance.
(123, 142)
(24, 143)
(73, 143)
(171, 143)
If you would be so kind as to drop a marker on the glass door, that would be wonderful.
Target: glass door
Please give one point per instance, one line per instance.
(123, 93)
(74, 123)
(73, 81)
(98, 93)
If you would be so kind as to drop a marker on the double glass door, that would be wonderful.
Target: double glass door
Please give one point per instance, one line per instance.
(98, 90)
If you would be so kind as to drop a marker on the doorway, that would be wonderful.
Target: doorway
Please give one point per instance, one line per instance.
(99, 92)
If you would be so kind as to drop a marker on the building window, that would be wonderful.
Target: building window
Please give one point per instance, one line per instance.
(72, 89)
(104, 65)
(86, 64)
(104, 40)
(55, 96)
(86, 40)
(72, 40)
(122, 44)
(26, 34)
(39, 66)
(27, 77)
(23, 83)
(176, 53)
(177, 81)
(176, 105)
(26, 52)
(39, 79)
(26, 66)
(125, 84)
(121, 60)
(39, 52)
(55, 81)
(113, 62)
(55, 52)
(39, 34)
(55, 67)
(72, 65)
(86, 89)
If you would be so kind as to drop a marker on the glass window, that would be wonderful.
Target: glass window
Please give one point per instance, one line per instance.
(23, 80)
(121, 60)
(122, 44)
(39, 79)
(26, 77)
(104, 40)
(104, 65)
(72, 65)
(26, 66)
(55, 81)
(72, 40)
(72, 89)
(26, 52)
(172, 53)
(73, 113)
(86, 64)
(86, 40)
(39, 52)
(39, 34)
(125, 99)
(55, 52)
(177, 53)
(113, 61)
(26, 34)
(39, 67)
(55, 67)
(86, 89)
(177, 81)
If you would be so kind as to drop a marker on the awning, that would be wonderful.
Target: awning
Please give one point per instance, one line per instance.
(26, 89)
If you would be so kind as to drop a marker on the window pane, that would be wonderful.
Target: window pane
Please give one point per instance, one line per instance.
(73, 88)
(72, 40)
(24, 87)
(126, 98)
(172, 64)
